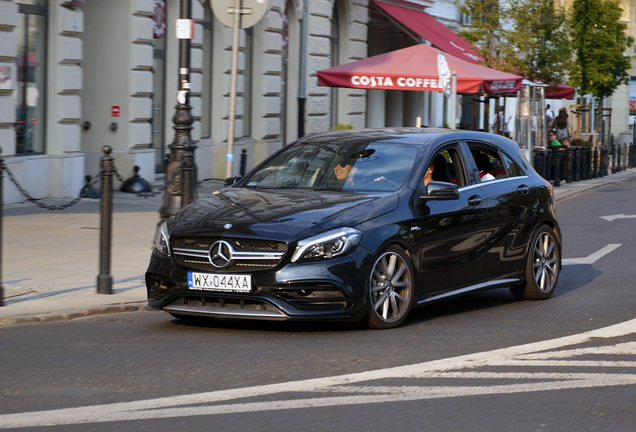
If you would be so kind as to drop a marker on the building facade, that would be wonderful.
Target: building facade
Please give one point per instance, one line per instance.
(76, 75)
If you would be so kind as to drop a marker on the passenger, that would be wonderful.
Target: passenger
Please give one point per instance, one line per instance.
(439, 165)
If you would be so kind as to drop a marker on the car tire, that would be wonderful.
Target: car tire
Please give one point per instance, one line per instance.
(542, 267)
(390, 289)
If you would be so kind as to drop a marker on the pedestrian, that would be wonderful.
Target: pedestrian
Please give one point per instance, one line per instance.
(549, 112)
(562, 124)
(552, 140)
(503, 123)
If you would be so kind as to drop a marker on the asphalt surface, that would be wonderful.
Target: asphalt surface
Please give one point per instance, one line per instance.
(51, 258)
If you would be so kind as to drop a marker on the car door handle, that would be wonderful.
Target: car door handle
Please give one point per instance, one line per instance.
(523, 190)
(474, 200)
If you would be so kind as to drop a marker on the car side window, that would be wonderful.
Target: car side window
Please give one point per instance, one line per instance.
(512, 167)
(489, 162)
(446, 166)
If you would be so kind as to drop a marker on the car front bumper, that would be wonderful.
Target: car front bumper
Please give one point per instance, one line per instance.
(328, 289)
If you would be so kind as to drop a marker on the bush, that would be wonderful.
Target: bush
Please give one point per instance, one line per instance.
(342, 126)
(580, 142)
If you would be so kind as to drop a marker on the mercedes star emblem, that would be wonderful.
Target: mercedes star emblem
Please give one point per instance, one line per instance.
(221, 254)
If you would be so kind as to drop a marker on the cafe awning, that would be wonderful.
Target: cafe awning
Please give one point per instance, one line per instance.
(562, 91)
(419, 68)
(432, 30)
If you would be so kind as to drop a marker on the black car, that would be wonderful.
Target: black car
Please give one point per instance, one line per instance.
(362, 225)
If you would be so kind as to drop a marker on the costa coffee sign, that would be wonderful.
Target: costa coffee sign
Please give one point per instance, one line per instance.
(500, 86)
(387, 82)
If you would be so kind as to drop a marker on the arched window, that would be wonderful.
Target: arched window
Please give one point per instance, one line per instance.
(30, 64)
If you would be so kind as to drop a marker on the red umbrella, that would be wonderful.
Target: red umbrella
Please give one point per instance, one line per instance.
(420, 68)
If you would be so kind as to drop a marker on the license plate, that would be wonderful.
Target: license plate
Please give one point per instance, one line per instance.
(220, 282)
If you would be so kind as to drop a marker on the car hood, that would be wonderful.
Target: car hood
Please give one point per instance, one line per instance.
(278, 215)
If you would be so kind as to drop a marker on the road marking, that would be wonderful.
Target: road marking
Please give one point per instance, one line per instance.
(618, 216)
(373, 387)
(592, 258)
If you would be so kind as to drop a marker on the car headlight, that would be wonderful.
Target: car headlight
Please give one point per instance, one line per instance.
(162, 239)
(327, 245)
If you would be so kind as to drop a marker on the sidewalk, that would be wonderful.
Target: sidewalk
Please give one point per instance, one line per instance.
(51, 258)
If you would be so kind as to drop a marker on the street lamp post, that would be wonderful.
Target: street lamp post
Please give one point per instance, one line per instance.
(177, 194)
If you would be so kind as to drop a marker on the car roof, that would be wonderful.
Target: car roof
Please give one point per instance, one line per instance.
(417, 136)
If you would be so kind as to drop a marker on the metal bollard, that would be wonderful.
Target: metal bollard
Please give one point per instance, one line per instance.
(243, 162)
(577, 164)
(613, 154)
(619, 158)
(557, 166)
(105, 279)
(569, 153)
(595, 168)
(548, 165)
(1, 204)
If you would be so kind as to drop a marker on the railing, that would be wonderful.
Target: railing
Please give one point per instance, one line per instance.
(579, 163)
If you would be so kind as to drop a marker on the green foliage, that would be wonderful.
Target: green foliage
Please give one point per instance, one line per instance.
(537, 43)
(598, 42)
(527, 37)
(485, 29)
(580, 142)
(342, 126)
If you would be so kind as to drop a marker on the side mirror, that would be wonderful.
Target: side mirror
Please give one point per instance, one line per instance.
(231, 180)
(437, 190)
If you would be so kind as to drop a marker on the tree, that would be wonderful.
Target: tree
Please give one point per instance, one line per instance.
(527, 37)
(537, 42)
(484, 30)
(599, 42)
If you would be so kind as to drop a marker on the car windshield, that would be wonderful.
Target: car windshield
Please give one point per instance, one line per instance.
(348, 166)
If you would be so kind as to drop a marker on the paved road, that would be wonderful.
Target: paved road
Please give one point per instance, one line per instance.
(481, 362)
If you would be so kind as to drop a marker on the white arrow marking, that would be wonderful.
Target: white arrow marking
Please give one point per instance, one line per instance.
(592, 258)
(619, 216)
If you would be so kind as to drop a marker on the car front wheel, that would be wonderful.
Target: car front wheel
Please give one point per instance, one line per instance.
(390, 291)
(542, 267)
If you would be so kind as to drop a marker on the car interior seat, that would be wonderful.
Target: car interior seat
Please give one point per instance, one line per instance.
(441, 171)
(483, 162)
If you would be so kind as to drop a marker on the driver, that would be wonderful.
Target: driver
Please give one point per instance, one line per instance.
(345, 171)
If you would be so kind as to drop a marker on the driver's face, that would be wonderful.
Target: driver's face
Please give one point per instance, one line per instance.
(342, 171)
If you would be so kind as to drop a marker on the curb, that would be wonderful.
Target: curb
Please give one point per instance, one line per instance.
(66, 315)
(581, 187)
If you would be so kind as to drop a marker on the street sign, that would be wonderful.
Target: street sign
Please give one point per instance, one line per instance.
(114, 111)
(252, 11)
(185, 29)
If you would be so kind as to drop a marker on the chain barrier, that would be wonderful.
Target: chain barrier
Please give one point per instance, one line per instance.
(37, 202)
(173, 181)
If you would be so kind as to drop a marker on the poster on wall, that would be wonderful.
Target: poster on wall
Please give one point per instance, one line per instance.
(159, 19)
(5, 78)
(632, 101)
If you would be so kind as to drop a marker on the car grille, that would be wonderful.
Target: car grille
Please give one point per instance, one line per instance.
(249, 254)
